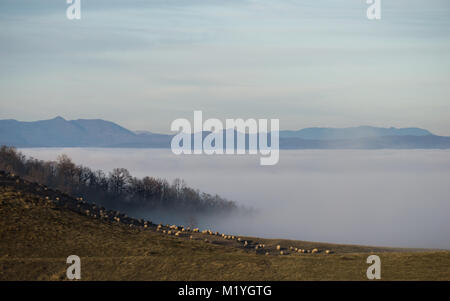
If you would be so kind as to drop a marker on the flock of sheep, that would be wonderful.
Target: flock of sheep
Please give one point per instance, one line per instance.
(258, 247)
(91, 209)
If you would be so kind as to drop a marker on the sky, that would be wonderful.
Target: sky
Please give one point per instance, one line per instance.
(143, 64)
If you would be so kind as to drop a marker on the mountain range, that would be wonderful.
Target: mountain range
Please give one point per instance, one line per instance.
(59, 132)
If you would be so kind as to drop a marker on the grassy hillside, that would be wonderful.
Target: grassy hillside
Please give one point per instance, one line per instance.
(40, 227)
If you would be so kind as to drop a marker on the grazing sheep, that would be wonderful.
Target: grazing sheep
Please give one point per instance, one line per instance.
(196, 230)
(267, 254)
(278, 247)
(327, 251)
(245, 243)
(178, 233)
(239, 239)
(169, 232)
(281, 253)
(191, 237)
(313, 251)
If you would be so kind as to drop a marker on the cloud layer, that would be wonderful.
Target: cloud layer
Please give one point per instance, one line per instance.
(381, 197)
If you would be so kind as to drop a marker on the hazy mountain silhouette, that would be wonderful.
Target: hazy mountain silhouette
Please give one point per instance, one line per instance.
(352, 133)
(58, 132)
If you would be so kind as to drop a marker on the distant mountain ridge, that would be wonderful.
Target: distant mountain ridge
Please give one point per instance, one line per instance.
(352, 133)
(59, 132)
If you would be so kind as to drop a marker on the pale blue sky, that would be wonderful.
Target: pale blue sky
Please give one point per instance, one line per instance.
(308, 62)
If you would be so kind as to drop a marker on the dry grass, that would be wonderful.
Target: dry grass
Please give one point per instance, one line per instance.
(36, 237)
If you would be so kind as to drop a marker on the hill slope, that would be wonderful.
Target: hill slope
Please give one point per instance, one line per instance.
(40, 227)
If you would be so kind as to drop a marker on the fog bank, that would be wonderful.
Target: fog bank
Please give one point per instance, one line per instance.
(375, 197)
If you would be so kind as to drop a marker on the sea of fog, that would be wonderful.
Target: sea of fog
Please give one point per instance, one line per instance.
(374, 197)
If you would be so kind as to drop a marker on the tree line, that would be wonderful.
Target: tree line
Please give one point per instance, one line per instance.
(117, 189)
